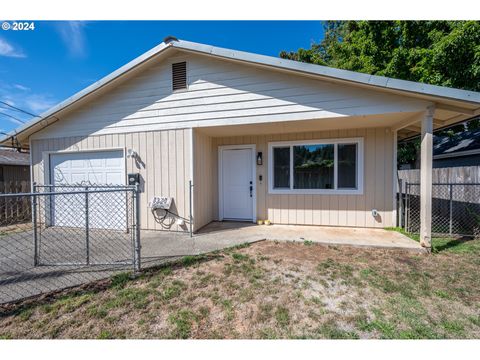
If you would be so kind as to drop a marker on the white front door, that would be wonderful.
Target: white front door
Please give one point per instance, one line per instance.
(237, 188)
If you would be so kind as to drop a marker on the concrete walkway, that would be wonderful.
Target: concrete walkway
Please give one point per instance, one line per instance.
(219, 235)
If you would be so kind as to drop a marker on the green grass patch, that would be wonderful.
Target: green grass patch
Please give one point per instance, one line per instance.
(173, 290)
(105, 334)
(229, 310)
(182, 321)
(332, 331)
(131, 296)
(282, 315)
(120, 280)
(190, 260)
(454, 328)
(239, 257)
(96, 311)
(457, 246)
(440, 244)
(25, 313)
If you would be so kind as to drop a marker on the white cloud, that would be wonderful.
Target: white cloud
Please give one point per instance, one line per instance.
(73, 36)
(8, 50)
(35, 103)
(39, 103)
(21, 87)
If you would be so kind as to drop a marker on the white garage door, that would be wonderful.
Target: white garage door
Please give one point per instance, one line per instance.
(99, 168)
(106, 210)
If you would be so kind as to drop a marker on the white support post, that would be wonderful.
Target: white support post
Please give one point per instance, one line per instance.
(396, 190)
(426, 178)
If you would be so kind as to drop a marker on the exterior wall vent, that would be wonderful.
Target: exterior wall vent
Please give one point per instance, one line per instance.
(179, 76)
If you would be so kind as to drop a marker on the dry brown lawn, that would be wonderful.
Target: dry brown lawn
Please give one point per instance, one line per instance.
(272, 290)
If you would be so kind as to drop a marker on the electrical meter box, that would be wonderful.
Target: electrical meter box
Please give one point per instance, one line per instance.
(133, 179)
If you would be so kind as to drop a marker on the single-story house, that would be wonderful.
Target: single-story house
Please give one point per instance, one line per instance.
(259, 137)
(14, 167)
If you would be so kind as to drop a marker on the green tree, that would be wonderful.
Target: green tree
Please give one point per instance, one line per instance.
(445, 53)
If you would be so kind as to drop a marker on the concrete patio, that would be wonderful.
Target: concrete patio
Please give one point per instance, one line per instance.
(219, 235)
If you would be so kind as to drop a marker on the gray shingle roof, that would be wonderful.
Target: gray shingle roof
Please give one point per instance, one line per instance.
(13, 157)
(465, 141)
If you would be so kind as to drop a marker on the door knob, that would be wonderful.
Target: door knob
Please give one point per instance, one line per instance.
(251, 190)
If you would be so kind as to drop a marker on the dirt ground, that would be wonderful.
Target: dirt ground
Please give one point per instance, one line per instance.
(272, 290)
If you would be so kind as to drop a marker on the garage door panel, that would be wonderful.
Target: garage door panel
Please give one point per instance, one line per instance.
(106, 210)
(115, 162)
(113, 178)
(77, 164)
(97, 178)
(76, 178)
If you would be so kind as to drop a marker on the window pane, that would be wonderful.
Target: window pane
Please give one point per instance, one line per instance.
(281, 167)
(313, 166)
(347, 166)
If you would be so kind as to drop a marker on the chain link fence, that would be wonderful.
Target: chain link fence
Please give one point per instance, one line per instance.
(455, 209)
(68, 236)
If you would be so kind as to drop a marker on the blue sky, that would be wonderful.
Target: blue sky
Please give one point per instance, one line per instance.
(42, 67)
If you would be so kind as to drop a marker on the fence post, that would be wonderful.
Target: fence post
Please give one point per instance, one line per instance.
(34, 223)
(400, 197)
(87, 228)
(407, 204)
(136, 208)
(450, 225)
(190, 186)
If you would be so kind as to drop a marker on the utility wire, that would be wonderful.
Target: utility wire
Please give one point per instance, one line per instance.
(13, 117)
(18, 109)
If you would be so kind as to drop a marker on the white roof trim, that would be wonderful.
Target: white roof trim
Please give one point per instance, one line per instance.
(323, 71)
(457, 154)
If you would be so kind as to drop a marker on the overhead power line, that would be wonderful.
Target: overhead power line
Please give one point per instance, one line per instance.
(13, 117)
(18, 109)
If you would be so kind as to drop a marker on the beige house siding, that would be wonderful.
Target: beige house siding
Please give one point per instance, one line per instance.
(219, 93)
(205, 185)
(163, 163)
(331, 210)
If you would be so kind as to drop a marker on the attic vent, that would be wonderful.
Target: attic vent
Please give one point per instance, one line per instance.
(179, 76)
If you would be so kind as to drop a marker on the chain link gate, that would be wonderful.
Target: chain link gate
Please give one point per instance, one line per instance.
(70, 235)
(455, 209)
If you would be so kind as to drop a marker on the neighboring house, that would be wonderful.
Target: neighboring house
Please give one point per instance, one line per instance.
(14, 166)
(462, 149)
(260, 137)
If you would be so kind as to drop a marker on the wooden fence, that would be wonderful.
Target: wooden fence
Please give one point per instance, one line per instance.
(14, 210)
(450, 175)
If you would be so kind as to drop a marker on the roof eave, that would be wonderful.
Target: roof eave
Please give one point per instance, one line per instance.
(325, 71)
(473, 98)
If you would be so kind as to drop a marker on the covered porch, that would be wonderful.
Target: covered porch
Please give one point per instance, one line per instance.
(371, 205)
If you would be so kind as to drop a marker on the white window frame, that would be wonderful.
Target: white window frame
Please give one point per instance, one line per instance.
(335, 191)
